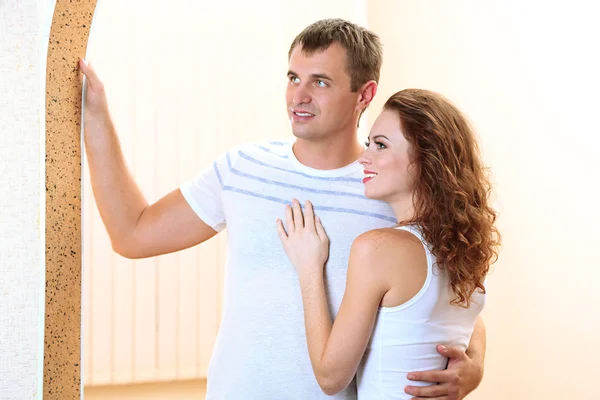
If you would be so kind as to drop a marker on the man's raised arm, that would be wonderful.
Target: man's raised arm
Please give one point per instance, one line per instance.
(136, 229)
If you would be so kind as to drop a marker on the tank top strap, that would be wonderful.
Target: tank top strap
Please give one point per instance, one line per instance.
(414, 229)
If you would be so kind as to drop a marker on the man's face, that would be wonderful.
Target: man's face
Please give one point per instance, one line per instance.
(318, 96)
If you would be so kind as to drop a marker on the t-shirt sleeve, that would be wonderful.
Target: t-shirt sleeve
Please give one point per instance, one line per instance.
(204, 193)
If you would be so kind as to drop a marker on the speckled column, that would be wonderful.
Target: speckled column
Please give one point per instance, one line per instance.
(62, 347)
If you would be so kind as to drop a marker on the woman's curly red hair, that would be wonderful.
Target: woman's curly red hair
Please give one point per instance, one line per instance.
(452, 189)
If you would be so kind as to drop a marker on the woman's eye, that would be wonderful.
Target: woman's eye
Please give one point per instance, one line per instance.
(378, 145)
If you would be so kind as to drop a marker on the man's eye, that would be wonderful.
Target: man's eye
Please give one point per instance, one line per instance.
(294, 79)
(321, 83)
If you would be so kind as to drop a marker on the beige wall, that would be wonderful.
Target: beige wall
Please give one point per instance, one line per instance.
(527, 75)
(185, 81)
(528, 86)
(184, 390)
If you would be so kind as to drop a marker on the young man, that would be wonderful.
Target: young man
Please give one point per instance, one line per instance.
(261, 351)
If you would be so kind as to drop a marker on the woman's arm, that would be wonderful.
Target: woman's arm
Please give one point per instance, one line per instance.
(336, 349)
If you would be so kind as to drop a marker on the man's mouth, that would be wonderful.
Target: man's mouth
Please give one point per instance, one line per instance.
(301, 113)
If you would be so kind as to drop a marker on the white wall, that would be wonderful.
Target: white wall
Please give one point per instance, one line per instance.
(24, 30)
(527, 75)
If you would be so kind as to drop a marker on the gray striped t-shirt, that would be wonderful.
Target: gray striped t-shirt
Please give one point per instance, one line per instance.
(261, 351)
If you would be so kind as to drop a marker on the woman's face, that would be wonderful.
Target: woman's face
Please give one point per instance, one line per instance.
(388, 173)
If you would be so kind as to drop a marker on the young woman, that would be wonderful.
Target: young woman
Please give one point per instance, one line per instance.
(413, 286)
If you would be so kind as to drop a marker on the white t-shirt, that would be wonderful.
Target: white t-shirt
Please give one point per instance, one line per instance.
(404, 337)
(261, 351)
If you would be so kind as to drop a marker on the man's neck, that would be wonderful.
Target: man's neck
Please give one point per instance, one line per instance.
(327, 155)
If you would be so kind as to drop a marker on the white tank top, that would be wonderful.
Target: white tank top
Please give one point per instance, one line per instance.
(404, 338)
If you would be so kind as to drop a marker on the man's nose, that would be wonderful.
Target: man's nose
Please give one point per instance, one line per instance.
(301, 95)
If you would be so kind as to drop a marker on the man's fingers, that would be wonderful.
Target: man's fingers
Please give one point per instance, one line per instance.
(434, 398)
(428, 392)
(281, 230)
(451, 352)
(289, 219)
(297, 212)
(430, 376)
(86, 69)
(90, 74)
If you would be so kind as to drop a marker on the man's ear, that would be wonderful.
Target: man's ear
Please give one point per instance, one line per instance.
(366, 94)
